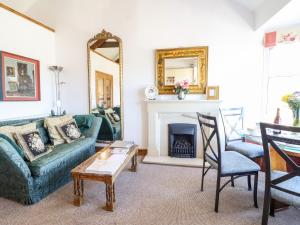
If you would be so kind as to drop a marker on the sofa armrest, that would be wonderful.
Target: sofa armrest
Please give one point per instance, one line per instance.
(11, 163)
(107, 126)
(94, 129)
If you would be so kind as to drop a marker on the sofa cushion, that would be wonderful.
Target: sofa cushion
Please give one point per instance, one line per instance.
(14, 144)
(32, 144)
(69, 131)
(11, 130)
(60, 154)
(8, 132)
(116, 128)
(43, 131)
(84, 121)
(51, 123)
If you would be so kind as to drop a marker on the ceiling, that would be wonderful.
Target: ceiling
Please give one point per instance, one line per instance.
(252, 5)
(19, 5)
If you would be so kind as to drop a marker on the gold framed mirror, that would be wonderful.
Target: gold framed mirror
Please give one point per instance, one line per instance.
(105, 78)
(175, 65)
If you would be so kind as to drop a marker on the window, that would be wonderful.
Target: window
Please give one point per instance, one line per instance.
(282, 77)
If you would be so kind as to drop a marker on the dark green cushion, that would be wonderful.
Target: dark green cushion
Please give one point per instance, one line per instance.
(13, 143)
(101, 110)
(60, 154)
(116, 127)
(84, 121)
(43, 131)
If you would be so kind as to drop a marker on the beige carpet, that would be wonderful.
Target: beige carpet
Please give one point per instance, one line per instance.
(155, 195)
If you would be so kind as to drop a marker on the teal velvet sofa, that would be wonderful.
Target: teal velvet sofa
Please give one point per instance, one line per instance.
(28, 182)
(108, 131)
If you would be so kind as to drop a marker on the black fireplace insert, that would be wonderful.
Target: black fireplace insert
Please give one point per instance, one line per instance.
(182, 140)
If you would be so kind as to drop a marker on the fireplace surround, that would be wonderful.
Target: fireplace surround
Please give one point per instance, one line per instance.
(164, 111)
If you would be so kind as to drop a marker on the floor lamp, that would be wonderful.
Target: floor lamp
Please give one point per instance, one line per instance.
(56, 70)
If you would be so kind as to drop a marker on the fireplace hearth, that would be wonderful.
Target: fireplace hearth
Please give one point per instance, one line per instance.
(182, 140)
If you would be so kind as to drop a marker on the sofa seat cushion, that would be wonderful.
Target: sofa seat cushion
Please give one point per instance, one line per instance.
(60, 153)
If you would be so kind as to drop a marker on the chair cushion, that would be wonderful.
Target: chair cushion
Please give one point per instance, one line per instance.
(246, 149)
(234, 163)
(60, 153)
(292, 185)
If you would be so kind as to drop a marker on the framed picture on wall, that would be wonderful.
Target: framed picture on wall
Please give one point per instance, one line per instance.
(212, 92)
(19, 78)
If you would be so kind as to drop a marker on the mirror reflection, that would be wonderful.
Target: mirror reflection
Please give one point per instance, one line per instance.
(178, 69)
(105, 84)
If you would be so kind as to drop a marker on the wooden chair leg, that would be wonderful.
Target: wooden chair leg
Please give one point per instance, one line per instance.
(272, 208)
(255, 190)
(202, 178)
(217, 193)
(232, 181)
(249, 182)
(266, 208)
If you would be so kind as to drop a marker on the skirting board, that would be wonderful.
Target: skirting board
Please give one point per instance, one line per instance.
(167, 160)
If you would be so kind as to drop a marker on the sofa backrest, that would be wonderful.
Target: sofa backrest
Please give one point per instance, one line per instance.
(83, 121)
(39, 125)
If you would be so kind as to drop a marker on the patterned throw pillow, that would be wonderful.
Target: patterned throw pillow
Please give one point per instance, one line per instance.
(69, 131)
(51, 122)
(9, 131)
(116, 117)
(32, 144)
(108, 113)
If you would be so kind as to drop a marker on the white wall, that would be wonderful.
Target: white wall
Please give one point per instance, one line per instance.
(101, 64)
(235, 50)
(22, 37)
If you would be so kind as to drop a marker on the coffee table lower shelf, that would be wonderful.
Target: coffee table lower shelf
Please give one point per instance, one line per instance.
(79, 174)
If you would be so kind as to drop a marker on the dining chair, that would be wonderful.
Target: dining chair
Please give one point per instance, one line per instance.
(233, 124)
(280, 185)
(227, 163)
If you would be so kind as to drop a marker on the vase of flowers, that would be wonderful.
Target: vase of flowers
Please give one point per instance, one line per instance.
(293, 100)
(181, 89)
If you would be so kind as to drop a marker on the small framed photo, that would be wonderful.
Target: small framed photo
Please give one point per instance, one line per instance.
(19, 78)
(212, 92)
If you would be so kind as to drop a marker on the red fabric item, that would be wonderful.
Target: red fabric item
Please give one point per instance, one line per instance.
(270, 39)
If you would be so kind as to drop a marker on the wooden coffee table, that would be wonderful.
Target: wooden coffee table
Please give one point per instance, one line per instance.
(79, 174)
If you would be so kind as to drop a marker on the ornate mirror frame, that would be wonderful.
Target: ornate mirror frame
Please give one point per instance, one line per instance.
(104, 35)
(200, 52)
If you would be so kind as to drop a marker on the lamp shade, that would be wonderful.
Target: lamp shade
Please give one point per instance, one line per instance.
(56, 68)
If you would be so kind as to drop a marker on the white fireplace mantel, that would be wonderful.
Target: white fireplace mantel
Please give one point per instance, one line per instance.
(164, 111)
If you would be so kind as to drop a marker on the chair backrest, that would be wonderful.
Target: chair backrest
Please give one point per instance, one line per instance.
(233, 122)
(279, 142)
(209, 130)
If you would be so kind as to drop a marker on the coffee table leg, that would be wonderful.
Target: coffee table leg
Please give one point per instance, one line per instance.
(78, 191)
(114, 193)
(134, 162)
(110, 197)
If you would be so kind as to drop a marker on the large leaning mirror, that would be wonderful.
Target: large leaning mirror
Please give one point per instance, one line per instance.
(105, 84)
(175, 65)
